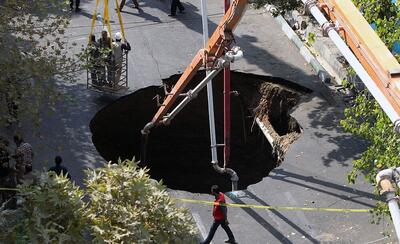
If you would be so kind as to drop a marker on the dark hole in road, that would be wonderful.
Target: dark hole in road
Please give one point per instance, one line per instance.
(180, 153)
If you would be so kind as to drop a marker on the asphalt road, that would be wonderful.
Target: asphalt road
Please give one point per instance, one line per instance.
(314, 171)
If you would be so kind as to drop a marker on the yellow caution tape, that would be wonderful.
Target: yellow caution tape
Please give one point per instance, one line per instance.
(340, 210)
(8, 189)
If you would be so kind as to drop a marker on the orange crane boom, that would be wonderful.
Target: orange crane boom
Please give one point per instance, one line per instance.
(370, 51)
(216, 46)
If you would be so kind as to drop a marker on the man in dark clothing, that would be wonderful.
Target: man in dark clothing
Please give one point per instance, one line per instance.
(77, 2)
(176, 4)
(220, 216)
(58, 169)
(105, 59)
(135, 4)
(94, 60)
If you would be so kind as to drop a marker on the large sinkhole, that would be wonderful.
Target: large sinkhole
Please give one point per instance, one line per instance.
(179, 154)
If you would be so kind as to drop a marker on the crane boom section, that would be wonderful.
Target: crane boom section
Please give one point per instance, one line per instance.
(372, 53)
(215, 48)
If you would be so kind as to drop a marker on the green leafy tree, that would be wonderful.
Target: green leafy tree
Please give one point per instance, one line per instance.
(365, 118)
(127, 206)
(281, 5)
(124, 205)
(50, 211)
(33, 54)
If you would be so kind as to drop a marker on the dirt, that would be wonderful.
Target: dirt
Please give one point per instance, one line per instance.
(179, 154)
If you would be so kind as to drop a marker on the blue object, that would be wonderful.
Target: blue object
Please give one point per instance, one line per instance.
(396, 47)
(373, 25)
(394, 2)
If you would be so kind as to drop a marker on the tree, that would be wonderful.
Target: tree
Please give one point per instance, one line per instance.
(33, 54)
(123, 206)
(281, 5)
(365, 118)
(50, 211)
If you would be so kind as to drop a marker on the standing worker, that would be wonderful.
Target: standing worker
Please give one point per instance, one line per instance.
(71, 4)
(106, 56)
(94, 60)
(176, 4)
(118, 51)
(59, 169)
(25, 151)
(220, 217)
(135, 4)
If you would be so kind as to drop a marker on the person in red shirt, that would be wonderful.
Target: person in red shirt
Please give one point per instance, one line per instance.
(220, 217)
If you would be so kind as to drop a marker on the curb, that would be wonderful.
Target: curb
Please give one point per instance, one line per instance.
(323, 75)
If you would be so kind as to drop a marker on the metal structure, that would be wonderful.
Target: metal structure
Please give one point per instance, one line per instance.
(215, 55)
(386, 180)
(109, 82)
(369, 57)
(347, 28)
(104, 77)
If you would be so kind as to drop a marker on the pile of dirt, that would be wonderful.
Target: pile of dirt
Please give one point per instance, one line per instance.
(180, 153)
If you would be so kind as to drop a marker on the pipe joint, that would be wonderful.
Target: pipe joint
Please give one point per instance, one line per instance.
(386, 174)
(231, 172)
(232, 55)
(397, 126)
(146, 129)
(388, 196)
(308, 5)
(327, 27)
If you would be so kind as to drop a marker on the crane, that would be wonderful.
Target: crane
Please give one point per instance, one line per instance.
(347, 28)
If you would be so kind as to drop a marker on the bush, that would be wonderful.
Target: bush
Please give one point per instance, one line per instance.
(123, 206)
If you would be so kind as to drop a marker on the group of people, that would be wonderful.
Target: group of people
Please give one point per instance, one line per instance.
(175, 4)
(17, 167)
(106, 58)
(14, 167)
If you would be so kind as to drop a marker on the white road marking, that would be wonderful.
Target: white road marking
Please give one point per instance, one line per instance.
(299, 214)
(200, 225)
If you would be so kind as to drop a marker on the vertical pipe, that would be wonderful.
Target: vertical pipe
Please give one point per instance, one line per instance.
(395, 213)
(211, 118)
(385, 179)
(227, 106)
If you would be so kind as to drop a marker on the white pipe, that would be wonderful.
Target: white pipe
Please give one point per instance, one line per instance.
(395, 213)
(385, 179)
(211, 118)
(382, 175)
(355, 64)
(190, 95)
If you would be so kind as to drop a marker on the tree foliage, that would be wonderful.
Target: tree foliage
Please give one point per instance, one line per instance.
(281, 5)
(50, 211)
(127, 206)
(365, 118)
(33, 54)
(123, 206)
